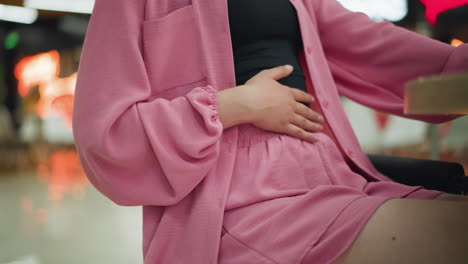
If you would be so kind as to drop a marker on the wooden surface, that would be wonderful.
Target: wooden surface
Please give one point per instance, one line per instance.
(441, 94)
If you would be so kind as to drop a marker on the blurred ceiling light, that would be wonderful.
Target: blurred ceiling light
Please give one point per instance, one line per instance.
(379, 10)
(457, 42)
(18, 14)
(74, 6)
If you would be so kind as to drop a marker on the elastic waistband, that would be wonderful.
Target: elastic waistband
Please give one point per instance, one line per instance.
(250, 134)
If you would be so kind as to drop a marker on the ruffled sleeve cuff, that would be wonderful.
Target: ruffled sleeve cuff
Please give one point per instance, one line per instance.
(205, 100)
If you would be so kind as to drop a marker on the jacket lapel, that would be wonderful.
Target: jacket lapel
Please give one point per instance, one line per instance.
(213, 22)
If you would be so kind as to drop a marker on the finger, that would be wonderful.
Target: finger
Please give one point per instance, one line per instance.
(300, 133)
(277, 73)
(308, 113)
(301, 96)
(305, 123)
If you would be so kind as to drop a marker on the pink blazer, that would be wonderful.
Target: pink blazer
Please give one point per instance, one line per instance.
(145, 117)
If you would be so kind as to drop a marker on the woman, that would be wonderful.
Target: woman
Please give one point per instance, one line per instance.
(239, 172)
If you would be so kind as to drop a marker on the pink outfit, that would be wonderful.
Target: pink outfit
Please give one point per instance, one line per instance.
(147, 130)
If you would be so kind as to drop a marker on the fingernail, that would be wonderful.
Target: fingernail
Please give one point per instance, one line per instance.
(288, 66)
(321, 118)
(319, 127)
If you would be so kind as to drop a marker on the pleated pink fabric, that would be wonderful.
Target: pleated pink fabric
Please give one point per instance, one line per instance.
(147, 130)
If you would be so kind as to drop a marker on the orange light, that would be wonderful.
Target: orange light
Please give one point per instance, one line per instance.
(457, 42)
(54, 89)
(62, 172)
(36, 70)
(63, 105)
(56, 94)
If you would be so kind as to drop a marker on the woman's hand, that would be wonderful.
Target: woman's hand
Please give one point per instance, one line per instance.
(275, 107)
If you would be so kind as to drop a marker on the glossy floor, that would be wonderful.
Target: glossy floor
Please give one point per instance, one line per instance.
(52, 215)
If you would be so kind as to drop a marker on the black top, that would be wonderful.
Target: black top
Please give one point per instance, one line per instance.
(265, 34)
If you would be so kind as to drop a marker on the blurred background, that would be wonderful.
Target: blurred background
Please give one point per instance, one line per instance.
(50, 213)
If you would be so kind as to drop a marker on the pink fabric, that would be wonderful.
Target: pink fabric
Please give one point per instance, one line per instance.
(316, 107)
(286, 212)
(147, 131)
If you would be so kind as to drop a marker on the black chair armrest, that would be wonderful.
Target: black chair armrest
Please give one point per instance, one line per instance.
(434, 175)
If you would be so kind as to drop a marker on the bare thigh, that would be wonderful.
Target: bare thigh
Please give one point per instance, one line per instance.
(413, 231)
(452, 197)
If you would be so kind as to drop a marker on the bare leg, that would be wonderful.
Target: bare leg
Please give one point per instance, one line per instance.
(452, 197)
(413, 231)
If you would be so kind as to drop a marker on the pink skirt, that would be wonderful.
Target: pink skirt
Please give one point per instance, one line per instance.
(291, 201)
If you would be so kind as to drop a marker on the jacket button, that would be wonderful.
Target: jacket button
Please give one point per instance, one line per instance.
(350, 153)
(325, 104)
(309, 50)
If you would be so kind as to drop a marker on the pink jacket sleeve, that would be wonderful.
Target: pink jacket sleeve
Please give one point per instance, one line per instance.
(371, 61)
(135, 149)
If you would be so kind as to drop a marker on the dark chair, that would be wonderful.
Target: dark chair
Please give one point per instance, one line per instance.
(443, 176)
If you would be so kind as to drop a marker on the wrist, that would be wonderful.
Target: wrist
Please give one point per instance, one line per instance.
(233, 108)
